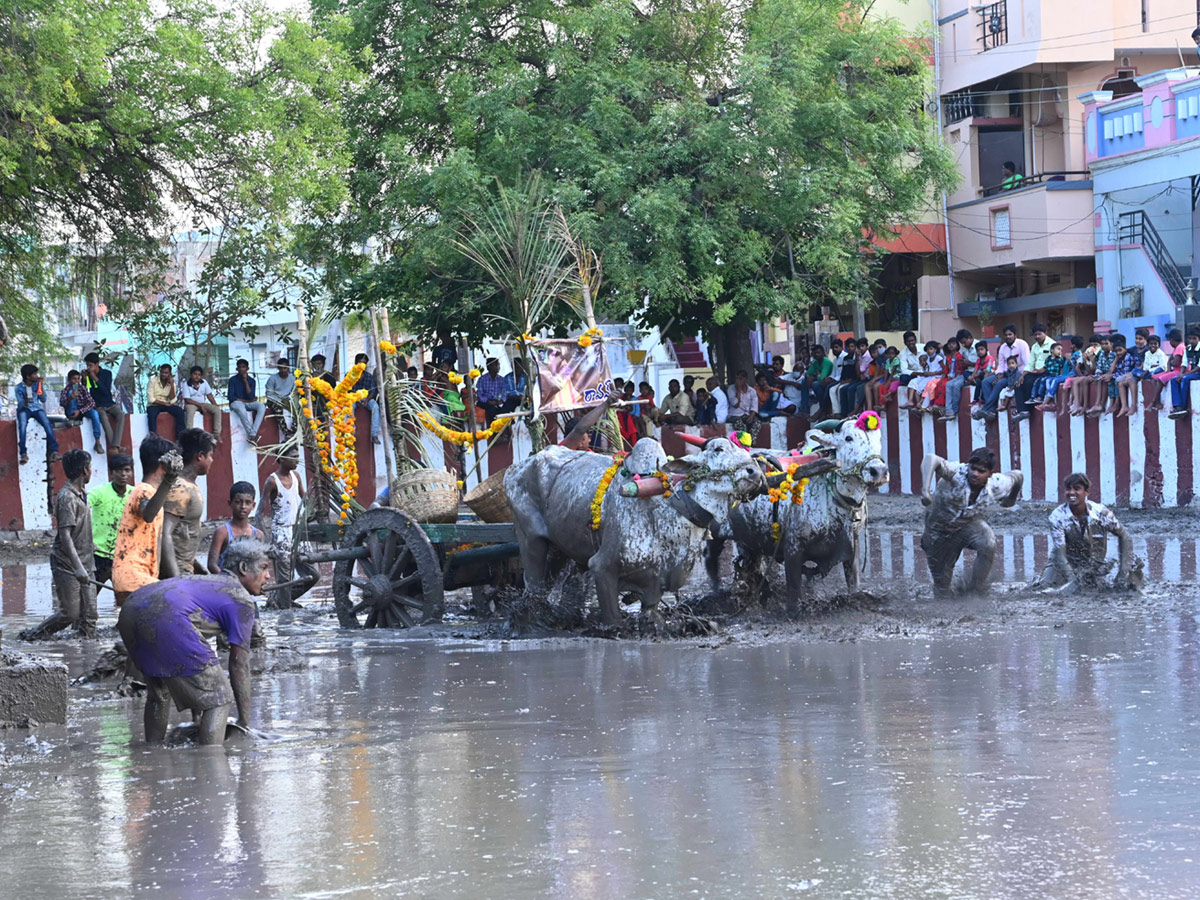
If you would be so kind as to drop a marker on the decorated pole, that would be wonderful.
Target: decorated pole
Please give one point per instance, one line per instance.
(380, 401)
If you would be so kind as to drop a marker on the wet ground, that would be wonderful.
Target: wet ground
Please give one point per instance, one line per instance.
(1015, 748)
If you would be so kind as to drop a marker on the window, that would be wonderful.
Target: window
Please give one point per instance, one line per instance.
(993, 25)
(1001, 228)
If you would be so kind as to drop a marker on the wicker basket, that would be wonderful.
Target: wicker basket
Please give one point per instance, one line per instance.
(428, 495)
(489, 501)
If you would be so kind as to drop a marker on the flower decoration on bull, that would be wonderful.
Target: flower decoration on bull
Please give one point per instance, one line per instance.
(868, 421)
(334, 434)
(602, 488)
(742, 438)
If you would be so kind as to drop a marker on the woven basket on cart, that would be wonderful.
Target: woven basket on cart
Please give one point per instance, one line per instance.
(428, 495)
(489, 501)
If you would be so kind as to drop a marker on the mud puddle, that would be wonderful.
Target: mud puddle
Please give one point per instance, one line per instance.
(1015, 763)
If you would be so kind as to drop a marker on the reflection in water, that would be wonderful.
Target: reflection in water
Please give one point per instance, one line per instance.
(1034, 762)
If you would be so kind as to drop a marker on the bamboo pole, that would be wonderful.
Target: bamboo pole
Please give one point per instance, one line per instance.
(381, 401)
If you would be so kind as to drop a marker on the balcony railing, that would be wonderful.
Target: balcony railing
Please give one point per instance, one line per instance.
(993, 25)
(1034, 180)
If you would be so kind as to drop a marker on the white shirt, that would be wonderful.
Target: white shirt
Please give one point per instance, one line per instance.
(744, 403)
(839, 363)
(952, 497)
(722, 410)
(970, 354)
(199, 393)
(910, 362)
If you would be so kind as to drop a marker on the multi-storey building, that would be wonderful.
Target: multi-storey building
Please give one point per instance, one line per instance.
(1014, 78)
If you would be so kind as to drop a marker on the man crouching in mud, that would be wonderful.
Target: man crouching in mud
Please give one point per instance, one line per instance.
(166, 626)
(1079, 531)
(955, 520)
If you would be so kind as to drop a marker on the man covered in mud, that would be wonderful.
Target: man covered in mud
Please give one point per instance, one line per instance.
(957, 496)
(166, 627)
(1079, 532)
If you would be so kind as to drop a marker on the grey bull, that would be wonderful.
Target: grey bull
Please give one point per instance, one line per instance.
(647, 545)
(826, 529)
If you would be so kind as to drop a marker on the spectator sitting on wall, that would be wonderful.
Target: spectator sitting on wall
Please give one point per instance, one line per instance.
(677, 407)
(31, 404)
(198, 397)
(280, 387)
(491, 392)
(77, 404)
(242, 392)
(99, 383)
(162, 397)
(1012, 180)
(1189, 371)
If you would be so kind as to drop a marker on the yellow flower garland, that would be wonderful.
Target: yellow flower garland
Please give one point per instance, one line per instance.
(592, 334)
(388, 347)
(340, 463)
(601, 489)
(461, 437)
(789, 487)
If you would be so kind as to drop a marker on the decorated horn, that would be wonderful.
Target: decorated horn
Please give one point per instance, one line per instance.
(694, 439)
(828, 425)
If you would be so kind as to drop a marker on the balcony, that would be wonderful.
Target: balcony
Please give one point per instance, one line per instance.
(1166, 112)
(1041, 220)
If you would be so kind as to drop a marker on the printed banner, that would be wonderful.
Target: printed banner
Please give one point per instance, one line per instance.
(570, 376)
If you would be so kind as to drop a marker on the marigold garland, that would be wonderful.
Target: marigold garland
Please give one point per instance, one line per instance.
(453, 377)
(592, 334)
(666, 482)
(601, 489)
(388, 347)
(340, 461)
(461, 437)
(474, 373)
(790, 487)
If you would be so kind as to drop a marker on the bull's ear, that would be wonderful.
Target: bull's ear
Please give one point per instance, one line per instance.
(683, 464)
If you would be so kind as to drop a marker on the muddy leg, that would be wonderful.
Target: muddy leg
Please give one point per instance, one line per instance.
(981, 539)
(157, 715)
(793, 570)
(712, 562)
(212, 724)
(606, 591)
(535, 553)
(941, 553)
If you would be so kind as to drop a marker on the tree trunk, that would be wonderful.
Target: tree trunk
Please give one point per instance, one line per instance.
(736, 354)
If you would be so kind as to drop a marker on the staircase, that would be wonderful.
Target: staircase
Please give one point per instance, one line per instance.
(1136, 228)
(690, 356)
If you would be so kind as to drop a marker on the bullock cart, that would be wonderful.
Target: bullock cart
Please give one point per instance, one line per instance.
(403, 569)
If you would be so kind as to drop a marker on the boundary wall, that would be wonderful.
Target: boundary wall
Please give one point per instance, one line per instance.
(1147, 460)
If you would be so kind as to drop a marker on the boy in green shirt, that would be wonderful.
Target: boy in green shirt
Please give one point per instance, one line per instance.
(107, 503)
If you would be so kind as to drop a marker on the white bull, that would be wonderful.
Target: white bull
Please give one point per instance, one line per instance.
(649, 544)
(826, 529)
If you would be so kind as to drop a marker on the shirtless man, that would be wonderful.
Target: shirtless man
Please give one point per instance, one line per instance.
(184, 508)
(278, 514)
(1079, 531)
(957, 496)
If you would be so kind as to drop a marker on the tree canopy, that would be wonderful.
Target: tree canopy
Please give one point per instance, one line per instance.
(122, 119)
(725, 158)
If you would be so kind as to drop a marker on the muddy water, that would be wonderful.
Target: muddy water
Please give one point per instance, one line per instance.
(1027, 762)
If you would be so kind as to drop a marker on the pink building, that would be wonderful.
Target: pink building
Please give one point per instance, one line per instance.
(1011, 78)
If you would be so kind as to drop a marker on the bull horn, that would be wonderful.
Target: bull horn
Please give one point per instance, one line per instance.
(694, 439)
(828, 425)
(818, 466)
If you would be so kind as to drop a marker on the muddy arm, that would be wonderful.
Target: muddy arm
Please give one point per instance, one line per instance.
(931, 466)
(166, 553)
(1124, 555)
(578, 438)
(78, 569)
(239, 680)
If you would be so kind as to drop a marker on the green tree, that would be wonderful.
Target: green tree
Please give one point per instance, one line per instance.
(121, 120)
(727, 159)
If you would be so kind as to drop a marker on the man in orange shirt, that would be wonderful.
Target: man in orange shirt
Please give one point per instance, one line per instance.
(142, 543)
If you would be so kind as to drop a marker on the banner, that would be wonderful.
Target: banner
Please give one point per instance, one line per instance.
(570, 376)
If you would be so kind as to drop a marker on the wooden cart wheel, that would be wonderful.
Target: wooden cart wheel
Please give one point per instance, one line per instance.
(399, 574)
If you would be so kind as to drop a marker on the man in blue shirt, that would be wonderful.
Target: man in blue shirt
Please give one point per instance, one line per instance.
(496, 395)
(243, 401)
(99, 383)
(31, 398)
(366, 382)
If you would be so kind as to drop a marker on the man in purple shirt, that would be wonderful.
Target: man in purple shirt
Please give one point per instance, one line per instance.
(492, 394)
(166, 626)
(1005, 376)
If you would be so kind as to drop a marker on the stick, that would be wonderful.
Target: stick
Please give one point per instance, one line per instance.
(385, 429)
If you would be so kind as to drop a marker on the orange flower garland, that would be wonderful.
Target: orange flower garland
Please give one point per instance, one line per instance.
(339, 462)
